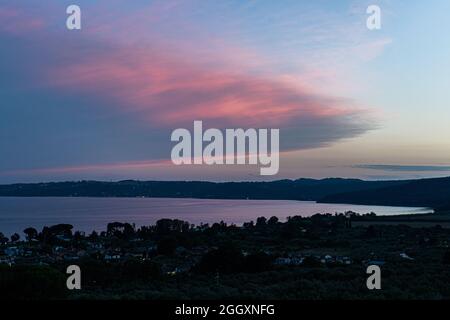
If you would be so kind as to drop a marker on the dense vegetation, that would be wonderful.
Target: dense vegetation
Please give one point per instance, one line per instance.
(433, 193)
(321, 257)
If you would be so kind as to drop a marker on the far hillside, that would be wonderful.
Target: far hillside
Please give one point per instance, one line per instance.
(301, 189)
(433, 193)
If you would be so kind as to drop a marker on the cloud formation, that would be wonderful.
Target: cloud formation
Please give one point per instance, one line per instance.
(80, 88)
(406, 168)
(170, 90)
(15, 21)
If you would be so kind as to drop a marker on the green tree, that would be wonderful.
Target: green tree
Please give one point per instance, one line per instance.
(226, 259)
(261, 222)
(167, 245)
(15, 237)
(446, 258)
(31, 233)
(3, 239)
(272, 221)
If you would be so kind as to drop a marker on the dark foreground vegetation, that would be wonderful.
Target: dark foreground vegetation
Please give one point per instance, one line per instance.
(320, 257)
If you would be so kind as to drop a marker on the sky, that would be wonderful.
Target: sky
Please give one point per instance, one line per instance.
(101, 102)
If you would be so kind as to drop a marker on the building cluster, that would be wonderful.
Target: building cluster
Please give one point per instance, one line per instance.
(299, 259)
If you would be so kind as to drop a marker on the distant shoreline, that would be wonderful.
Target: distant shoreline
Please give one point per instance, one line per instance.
(200, 198)
(425, 193)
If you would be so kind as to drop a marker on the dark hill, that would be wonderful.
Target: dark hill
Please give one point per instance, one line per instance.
(301, 189)
(433, 193)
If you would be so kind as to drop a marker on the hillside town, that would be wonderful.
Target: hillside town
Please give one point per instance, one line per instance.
(172, 250)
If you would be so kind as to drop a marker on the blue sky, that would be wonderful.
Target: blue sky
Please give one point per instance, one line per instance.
(100, 103)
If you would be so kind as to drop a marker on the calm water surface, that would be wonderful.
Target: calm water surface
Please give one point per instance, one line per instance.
(87, 214)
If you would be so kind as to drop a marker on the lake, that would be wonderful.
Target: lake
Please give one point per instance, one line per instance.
(87, 214)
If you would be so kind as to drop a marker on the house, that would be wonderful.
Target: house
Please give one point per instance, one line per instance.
(13, 251)
(200, 250)
(58, 249)
(180, 250)
(95, 245)
(28, 253)
(137, 255)
(63, 238)
(6, 260)
(297, 261)
(282, 261)
(81, 253)
(112, 257)
(71, 257)
(173, 272)
(405, 256)
(344, 260)
(374, 262)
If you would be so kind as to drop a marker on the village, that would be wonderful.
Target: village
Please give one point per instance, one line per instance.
(67, 248)
(176, 253)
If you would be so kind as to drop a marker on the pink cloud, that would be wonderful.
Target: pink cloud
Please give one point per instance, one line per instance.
(169, 82)
(169, 90)
(132, 165)
(16, 21)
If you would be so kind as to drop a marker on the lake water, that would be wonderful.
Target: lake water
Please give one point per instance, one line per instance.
(87, 214)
